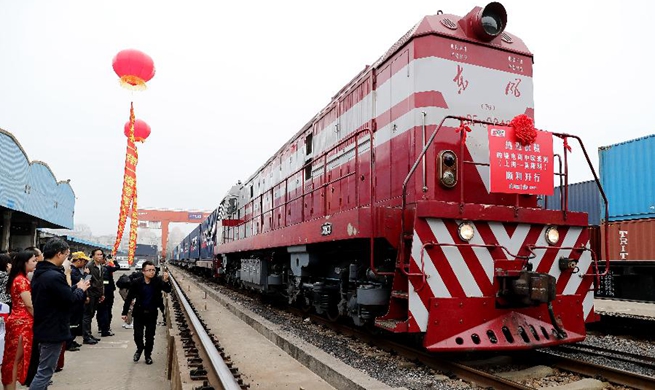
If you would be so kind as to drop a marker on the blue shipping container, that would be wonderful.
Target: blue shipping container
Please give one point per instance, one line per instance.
(143, 250)
(626, 172)
(194, 243)
(207, 236)
(583, 197)
(184, 252)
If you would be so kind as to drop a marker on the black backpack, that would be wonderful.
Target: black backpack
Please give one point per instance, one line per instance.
(124, 281)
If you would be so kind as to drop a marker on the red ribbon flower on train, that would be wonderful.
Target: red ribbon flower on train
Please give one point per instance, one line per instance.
(135, 69)
(524, 129)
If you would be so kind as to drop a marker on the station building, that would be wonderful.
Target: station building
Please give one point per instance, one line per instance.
(31, 198)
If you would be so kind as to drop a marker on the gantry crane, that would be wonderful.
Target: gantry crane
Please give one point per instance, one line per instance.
(167, 216)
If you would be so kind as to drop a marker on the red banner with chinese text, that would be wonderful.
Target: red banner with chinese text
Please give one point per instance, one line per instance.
(128, 205)
(520, 169)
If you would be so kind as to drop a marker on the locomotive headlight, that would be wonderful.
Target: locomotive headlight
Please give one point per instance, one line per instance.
(448, 179)
(493, 19)
(466, 231)
(485, 23)
(447, 168)
(552, 235)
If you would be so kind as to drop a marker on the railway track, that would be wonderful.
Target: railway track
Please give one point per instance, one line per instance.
(450, 368)
(223, 375)
(623, 356)
(480, 377)
(613, 375)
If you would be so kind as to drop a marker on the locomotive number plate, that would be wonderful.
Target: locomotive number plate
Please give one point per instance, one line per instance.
(326, 229)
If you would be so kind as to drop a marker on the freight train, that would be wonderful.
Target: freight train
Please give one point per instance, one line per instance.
(410, 202)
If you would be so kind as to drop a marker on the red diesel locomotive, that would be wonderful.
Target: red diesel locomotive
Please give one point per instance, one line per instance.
(410, 201)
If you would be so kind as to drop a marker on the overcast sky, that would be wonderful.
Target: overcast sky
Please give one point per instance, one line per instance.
(236, 79)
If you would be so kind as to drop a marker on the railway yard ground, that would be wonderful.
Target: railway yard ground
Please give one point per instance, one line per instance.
(625, 308)
(267, 347)
(388, 363)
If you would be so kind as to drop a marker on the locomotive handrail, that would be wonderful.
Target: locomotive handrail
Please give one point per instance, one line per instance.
(433, 243)
(401, 260)
(426, 146)
(304, 192)
(564, 136)
(325, 164)
(561, 182)
(594, 257)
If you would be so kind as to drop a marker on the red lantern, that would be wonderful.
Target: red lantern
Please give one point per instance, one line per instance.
(135, 68)
(141, 130)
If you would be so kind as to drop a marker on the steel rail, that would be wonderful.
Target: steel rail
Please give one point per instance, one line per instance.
(228, 382)
(462, 371)
(613, 375)
(627, 357)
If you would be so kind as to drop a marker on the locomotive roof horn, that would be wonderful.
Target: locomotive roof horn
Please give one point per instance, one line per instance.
(485, 23)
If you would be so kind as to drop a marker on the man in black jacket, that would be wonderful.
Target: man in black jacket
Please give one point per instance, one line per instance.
(147, 292)
(52, 298)
(96, 294)
(79, 261)
(104, 308)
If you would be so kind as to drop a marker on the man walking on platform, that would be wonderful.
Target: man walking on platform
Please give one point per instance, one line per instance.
(52, 298)
(147, 292)
(95, 294)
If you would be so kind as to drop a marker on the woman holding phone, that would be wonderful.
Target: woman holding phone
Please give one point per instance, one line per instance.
(18, 347)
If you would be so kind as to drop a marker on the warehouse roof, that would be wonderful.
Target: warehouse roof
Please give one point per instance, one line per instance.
(31, 188)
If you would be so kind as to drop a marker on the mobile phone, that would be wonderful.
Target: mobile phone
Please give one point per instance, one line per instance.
(87, 278)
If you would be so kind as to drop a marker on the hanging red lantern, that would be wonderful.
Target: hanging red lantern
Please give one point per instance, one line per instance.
(141, 130)
(135, 68)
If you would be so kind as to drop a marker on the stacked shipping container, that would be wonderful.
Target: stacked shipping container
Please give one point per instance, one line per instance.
(582, 197)
(627, 170)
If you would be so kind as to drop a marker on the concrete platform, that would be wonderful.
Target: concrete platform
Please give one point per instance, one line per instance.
(268, 356)
(108, 365)
(635, 309)
(261, 363)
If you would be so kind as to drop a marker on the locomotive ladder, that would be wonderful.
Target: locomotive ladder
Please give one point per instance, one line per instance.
(397, 318)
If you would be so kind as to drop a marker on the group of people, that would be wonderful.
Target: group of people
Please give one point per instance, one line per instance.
(47, 298)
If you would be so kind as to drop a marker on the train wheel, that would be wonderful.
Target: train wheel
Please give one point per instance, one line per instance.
(333, 314)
